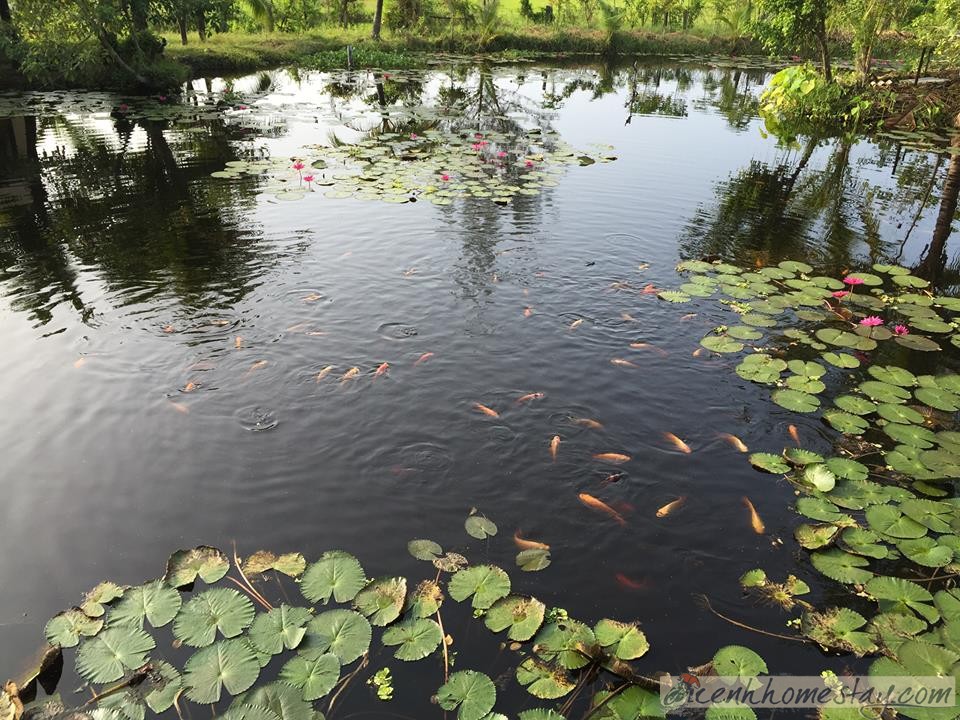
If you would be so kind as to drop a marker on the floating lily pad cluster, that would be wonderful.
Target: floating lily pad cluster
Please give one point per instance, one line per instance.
(321, 636)
(880, 516)
(436, 165)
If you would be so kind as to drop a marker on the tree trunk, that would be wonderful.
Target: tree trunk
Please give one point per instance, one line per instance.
(377, 20)
(933, 264)
(202, 25)
(343, 12)
(138, 15)
(824, 51)
(5, 11)
(182, 24)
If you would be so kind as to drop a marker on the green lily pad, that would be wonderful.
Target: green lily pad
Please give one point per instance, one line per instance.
(543, 681)
(185, 566)
(486, 583)
(888, 520)
(336, 574)
(938, 398)
(533, 559)
(926, 551)
(633, 703)
(903, 596)
(917, 342)
(839, 629)
(899, 414)
(855, 404)
(753, 578)
(290, 564)
(344, 633)
(424, 550)
(864, 542)
(819, 509)
(416, 638)
(216, 609)
(841, 566)
(520, 616)
(884, 392)
(625, 640)
(425, 600)
(65, 629)
(820, 476)
(841, 360)
(738, 661)
(229, 665)
(795, 400)
(721, 344)
(929, 513)
(156, 601)
(813, 537)
(103, 594)
(114, 651)
(561, 642)
(893, 375)
(315, 677)
(382, 599)
(847, 469)
(281, 628)
(472, 694)
(799, 456)
(912, 435)
(768, 462)
(845, 422)
(480, 527)
(674, 296)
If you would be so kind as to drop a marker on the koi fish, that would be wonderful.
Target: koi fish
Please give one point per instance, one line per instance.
(620, 362)
(650, 289)
(554, 447)
(596, 504)
(612, 478)
(347, 254)
(671, 506)
(524, 544)
(238, 342)
(382, 369)
(423, 358)
(256, 366)
(630, 583)
(612, 457)
(758, 527)
(588, 423)
(312, 297)
(688, 316)
(698, 352)
(643, 266)
(735, 441)
(79, 362)
(298, 327)
(350, 374)
(628, 317)
(324, 372)
(648, 346)
(190, 387)
(576, 323)
(411, 271)
(677, 443)
(530, 396)
(792, 429)
(490, 412)
(180, 408)
(527, 311)
(316, 333)
(169, 329)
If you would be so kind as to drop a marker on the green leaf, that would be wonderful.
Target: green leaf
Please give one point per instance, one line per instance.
(841, 566)
(382, 599)
(899, 414)
(738, 661)
(65, 629)
(103, 594)
(795, 400)
(562, 641)
(888, 520)
(543, 681)
(344, 633)
(185, 566)
(314, 677)
(730, 711)
(163, 693)
(156, 601)
(917, 342)
(841, 360)
(799, 456)
(284, 701)
(753, 578)
(938, 398)
(768, 462)
(533, 559)
(721, 344)
(336, 574)
(424, 550)
(864, 542)
(486, 583)
(520, 616)
(416, 638)
(893, 375)
(281, 628)
(839, 628)
(903, 596)
(922, 659)
(220, 609)
(884, 392)
(820, 476)
(290, 564)
(847, 469)
(819, 509)
(855, 404)
(929, 513)
(925, 551)
(425, 600)
(625, 640)
(761, 368)
(912, 435)
(674, 296)
(472, 694)
(744, 332)
(845, 422)
(107, 656)
(813, 537)
(632, 704)
(479, 527)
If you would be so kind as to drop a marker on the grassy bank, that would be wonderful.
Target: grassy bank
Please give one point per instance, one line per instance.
(236, 52)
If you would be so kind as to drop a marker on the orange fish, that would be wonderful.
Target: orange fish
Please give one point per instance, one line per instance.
(298, 327)
(312, 297)
(382, 369)
(620, 362)
(410, 272)
(316, 333)
(612, 457)
(324, 372)
(423, 358)
(677, 443)
(688, 316)
(576, 323)
(256, 366)
(527, 311)
(631, 583)
(180, 408)
(530, 396)
(588, 423)
(169, 329)
(628, 317)
(755, 521)
(650, 289)
(792, 429)
(735, 441)
(79, 363)
(648, 346)
(238, 342)
(486, 410)
(671, 506)
(524, 544)
(350, 374)
(698, 352)
(554, 447)
(596, 504)
(190, 387)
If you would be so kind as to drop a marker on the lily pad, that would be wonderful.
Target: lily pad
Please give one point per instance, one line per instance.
(336, 574)
(796, 400)
(533, 559)
(424, 550)
(738, 661)
(485, 583)
(290, 564)
(768, 462)
(314, 677)
(841, 566)
(472, 694)
(562, 642)
(156, 601)
(543, 681)
(625, 640)
(520, 616)
(480, 527)
(114, 651)
(425, 600)
(344, 633)
(416, 638)
(216, 609)
(185, 566)
(382, 600)
(281, 628)
(65, 629)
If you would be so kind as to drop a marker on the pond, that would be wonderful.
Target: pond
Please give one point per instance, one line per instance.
(205, 347)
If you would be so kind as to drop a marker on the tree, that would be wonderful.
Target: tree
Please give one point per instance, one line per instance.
(932, 265)
(5, 11)
(787, 24)
(868, 19)
(377, 20)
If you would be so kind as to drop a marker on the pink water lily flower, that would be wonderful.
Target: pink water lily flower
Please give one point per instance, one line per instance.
(853, 280)
(413, 136)
(444, 177)
(529, 163)
(308, 178)
(124, 107)
(478, 135)
(501, 154)
(298, 165)
(476, 147)
(840, 293)
(872, 321)
(901, 330)
(162, 98)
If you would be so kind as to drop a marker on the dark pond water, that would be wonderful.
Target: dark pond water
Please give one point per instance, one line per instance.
(129, 274)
